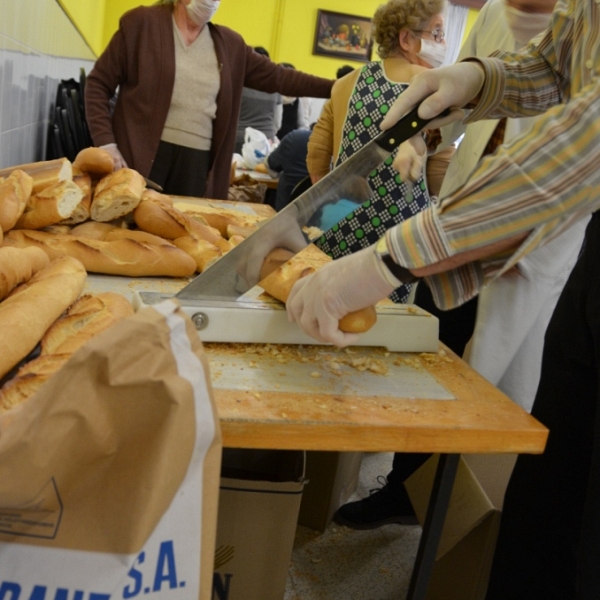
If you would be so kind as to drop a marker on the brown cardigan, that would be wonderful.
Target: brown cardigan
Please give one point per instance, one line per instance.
(140, 61)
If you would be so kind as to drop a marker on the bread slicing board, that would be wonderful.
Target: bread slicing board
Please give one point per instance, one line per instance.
(254, 319)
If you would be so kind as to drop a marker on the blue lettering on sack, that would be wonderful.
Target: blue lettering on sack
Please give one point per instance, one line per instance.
(12, 591)
(221, 588)
(164, 576)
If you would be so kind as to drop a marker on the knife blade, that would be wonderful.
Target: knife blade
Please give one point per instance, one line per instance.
(332, 198)
(152, 185)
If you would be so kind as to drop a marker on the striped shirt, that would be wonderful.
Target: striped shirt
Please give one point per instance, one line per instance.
(542, 181)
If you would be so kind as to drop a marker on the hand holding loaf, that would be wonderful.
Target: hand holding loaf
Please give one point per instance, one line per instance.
(281, 280)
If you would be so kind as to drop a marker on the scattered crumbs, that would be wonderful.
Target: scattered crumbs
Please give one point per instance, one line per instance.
(256, 395)
(353, 407)
(315, 374)
(277, 386)
(411, 310)
(315, 560)
(284, 415)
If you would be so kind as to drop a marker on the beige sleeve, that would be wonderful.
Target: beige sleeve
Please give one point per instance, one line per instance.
(436, 168)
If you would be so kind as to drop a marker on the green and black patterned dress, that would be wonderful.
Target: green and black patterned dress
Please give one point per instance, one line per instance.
(392, 201)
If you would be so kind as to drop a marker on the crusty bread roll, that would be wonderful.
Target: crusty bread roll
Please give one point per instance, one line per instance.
(29, 379)
(18, 265)
(279, 284)
(109, 232)
(118, 257)
(15, 191)
(95, 161)
(82, 210)
(220, 218)
(27, 313)
(203, 252)
(236, 230)
(154, 195)
(87, 317)
(169, 222)
(44, 173)
(50, 206)
(117, 195)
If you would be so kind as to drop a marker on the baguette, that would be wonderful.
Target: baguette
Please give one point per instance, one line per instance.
(280, 281)
(220, 218)
(44, 173)
(18, 265)
(108, 233)
(95, 161)
(27, 313)
(50, 206)
(119, 257)
(154, 195)
(203, 252)
(117, 195)
(87, 317)
(169, 222)
(15, 191)
(82, 210)
(29, 379)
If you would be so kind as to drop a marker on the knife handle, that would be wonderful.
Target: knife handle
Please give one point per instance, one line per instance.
(404, 129)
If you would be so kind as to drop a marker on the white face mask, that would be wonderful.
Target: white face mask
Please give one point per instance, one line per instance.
(432, 53)
(202, 11)
(525, 26)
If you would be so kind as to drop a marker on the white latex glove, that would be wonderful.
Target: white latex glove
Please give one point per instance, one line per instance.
(437, 89)
(116, 155)
(317, 302)
(410, 158)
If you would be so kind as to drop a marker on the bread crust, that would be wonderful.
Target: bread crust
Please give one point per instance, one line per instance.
(281, 280)
(37, 303)
(50, 206)
(95, 161)
(82, 211)
(18, 265)
(44, 173)
(118, 257)
(15, 191)
(202, 251)
(117, 195)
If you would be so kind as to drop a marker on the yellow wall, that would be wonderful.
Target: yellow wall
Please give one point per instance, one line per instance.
(286, 28)
(88, 17)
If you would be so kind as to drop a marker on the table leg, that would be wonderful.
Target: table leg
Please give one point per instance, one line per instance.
(434, 523)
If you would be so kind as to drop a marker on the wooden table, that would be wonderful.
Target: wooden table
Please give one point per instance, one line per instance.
(465, 414)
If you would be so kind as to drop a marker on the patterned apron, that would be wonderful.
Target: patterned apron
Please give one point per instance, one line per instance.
(392, 201)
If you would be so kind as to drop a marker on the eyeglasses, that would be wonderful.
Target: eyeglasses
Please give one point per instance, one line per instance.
(439, 35)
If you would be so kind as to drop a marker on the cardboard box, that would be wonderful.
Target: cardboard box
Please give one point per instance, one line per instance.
(259, 500)
(466, 549)
(331, 478)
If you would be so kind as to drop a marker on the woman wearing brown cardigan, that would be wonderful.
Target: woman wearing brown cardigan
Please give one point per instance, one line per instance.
(179, 83)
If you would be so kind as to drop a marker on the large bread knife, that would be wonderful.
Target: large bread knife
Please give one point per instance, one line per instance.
(332, 198)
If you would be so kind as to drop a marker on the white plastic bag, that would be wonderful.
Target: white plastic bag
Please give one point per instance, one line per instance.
(256, 147)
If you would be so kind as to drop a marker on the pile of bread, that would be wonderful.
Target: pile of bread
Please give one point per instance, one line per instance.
(41, 302)
(109, 221)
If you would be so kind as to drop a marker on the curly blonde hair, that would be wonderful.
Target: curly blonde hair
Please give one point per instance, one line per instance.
(390, 18)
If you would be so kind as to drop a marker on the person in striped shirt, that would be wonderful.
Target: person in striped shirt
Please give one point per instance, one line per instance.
(524, 195)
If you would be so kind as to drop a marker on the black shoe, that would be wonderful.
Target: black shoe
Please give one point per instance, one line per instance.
(383, 507)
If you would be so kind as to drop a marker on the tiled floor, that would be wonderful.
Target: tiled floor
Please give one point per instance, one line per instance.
(343, 564)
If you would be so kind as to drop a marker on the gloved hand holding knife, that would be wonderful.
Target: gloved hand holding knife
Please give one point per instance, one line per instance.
(318, 301)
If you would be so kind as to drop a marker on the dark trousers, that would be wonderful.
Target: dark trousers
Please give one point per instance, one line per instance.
(549, 543)
(179, 170)
(456, 328)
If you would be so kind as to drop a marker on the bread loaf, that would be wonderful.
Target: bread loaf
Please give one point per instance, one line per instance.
(203, 252)
(95, 161)
(154, 195)
(82, 210)
(87, 317)
(220, 218)
(236, 230)
(15, 191)
(168, 222)
(108, 233)
(18, 265)
(27, 313)
(279, 284)
(118, 257)
(44, 173)
(117, 195)
(50, 206)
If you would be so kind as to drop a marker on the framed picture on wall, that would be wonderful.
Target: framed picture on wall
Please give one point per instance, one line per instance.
(343, 36)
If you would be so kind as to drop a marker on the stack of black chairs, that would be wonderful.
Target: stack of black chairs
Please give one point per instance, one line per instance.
(69, 133)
